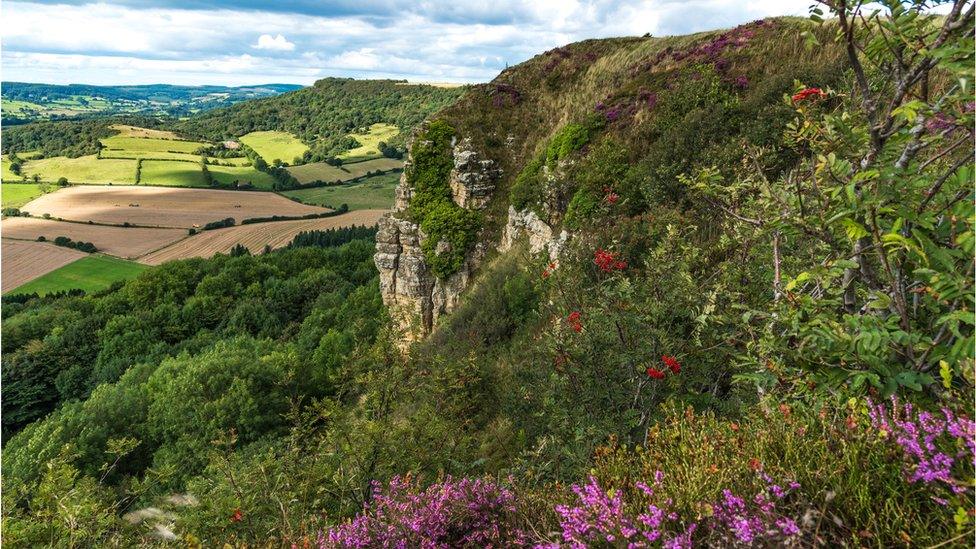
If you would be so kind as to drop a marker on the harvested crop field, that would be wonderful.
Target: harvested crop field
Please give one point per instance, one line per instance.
(255, 237)
(25, 261)
(163, 206)
(125, 242)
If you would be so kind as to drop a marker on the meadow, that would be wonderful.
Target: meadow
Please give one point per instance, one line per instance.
(84, 169)
(171, 173)
(15, 195)
(275, 145)
(321, 171)
(91, 274)
(150, 144)
(375, 192)
(228, 175)
(369, 142)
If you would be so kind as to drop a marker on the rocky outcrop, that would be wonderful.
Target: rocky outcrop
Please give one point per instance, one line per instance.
(540, 235)
(473, 178)
(415, 297)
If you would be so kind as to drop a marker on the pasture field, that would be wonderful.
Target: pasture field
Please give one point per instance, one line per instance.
(135, 131)
(15, 195)
(375, 192)
(320, 171)
(124, 242)
(171, 173)
(244, 174)
(92, 273)
(368, 142)
(25, 261)
(185, 157)
(162, 206)
(84, 169)
(150, 144)
(242, 161)
(255, 236)
(274, 145)
(7, 174)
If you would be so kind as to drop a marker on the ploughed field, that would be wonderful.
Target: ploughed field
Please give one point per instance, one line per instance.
(162, 207)
(124, 242)
(255, 236)
(25, 261)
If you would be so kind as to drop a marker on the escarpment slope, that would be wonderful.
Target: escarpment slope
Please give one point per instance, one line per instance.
(532, 153)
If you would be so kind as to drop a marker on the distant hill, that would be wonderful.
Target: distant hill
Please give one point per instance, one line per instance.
(323, 114)
(28, 102)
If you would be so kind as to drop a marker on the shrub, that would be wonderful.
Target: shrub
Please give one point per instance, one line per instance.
(452, 513)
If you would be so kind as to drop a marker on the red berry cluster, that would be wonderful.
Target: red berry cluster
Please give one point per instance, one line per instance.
(670, 362)
(807, 93)
(608, 261)
(574, 321)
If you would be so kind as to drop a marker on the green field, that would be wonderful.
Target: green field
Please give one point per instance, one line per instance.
(143, 144)
(375, 192)
(242, 161)
(171, 173)
(84, 169)
(92, 273)
(157, 155)
(244, 174)
(320, 171)
(275, 145)
(368, 142)
(16, 195)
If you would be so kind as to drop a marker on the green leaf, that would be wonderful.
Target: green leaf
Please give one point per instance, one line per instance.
(854, 229)
(945, 372)
(800, 279)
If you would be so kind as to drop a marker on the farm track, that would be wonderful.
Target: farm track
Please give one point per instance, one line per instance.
(255, 236)
(24, 261)
(165, 207)
(124, 242)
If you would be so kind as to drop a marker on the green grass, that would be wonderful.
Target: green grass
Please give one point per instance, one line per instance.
(16, 195)
(375, 192)
(171, 173)
(274, 145)
(143, 144)
(320, 171)
(92, 273)
(368, 142)
(243, 174)
(157, 155)
(242, 161)
(84, 169)
(7, 174)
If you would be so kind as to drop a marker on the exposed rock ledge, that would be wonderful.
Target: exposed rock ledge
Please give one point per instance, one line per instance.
(539, 233)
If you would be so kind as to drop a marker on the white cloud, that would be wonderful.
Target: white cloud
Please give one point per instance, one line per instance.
(440, 40)
(278, 43)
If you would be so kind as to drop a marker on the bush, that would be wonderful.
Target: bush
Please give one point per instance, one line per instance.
(228, 222)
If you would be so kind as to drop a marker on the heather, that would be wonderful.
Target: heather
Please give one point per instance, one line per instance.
(756, 331)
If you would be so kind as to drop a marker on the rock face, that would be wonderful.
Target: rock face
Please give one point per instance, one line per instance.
(415, 297)
(473, 178)
(540, 235)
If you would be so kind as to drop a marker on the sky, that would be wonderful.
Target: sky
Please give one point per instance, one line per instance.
(244, 42)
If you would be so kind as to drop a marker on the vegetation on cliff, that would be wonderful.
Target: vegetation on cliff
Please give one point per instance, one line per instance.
(759, 334)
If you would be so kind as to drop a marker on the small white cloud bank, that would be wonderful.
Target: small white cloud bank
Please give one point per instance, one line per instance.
(273, 43)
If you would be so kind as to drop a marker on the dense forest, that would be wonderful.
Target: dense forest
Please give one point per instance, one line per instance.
(757, 330)
(323, 114)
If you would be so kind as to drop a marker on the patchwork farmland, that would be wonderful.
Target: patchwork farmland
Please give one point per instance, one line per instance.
(255, 237)
(90, 273)
(25, 261)
(163, 207)
(323, 172)
(124, 242)
(370, 193)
